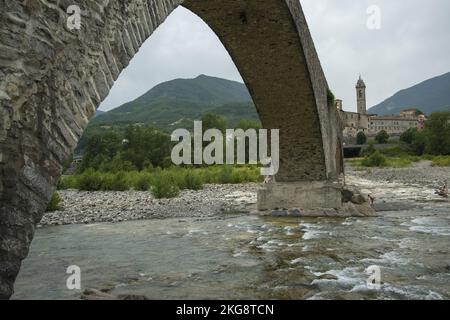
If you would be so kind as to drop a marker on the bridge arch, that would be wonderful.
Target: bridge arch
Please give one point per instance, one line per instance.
(53, 79)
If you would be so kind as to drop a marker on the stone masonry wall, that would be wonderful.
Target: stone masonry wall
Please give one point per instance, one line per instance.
(53, 79)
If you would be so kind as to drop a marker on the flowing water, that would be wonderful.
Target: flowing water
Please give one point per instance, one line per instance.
(248, 257)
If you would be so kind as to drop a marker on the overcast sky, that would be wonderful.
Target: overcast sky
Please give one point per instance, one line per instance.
(412, 45)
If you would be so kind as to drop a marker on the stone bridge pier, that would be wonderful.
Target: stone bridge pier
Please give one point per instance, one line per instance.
(52, 79)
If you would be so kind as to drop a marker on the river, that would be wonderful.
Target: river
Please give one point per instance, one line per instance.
(249, 257)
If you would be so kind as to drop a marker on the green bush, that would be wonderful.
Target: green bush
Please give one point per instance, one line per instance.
(369, 150)
(414, 158)
(115, 165)
(238, 176)
(90, 180)
(375, 160)
(254, 175)
(142, 181)
(382, 137)
(164, 186)
(407, 136)
(182, 178)
(55, 203)
(68, 182)
(193, 180)
(395, 151)
(427, 157)
(226, 175)
(208, 175)
(114, 182)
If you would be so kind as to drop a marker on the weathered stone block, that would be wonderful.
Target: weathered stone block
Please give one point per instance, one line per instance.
(310, 196)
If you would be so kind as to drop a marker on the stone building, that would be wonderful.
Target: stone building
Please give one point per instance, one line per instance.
(372, 124)
(393, 125)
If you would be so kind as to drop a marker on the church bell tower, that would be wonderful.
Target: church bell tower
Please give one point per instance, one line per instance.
(361, 96)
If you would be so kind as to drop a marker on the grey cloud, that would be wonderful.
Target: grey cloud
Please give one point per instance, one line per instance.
(412, 45)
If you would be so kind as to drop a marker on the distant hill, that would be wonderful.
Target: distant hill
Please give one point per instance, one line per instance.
(98, 113)
(429, 96)
(184, 100)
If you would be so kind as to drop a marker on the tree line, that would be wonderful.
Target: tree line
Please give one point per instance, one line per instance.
(434, 139)
(139, 147)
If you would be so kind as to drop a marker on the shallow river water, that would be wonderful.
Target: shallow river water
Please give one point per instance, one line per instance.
(248, 257)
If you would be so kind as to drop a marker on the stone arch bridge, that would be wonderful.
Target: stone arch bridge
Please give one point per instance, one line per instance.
(52, 79)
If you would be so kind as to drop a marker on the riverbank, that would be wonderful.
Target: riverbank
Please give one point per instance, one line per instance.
(118, 206)
(398, 189)
(421, 173)
(394, 189)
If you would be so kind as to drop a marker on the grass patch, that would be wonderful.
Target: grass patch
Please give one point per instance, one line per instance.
(403, 161)
(378, 160)
(441, 161)
(398, 162)
(397, 151)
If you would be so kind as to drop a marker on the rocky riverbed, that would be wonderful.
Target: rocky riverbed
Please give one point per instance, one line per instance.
(420, 173)
(114, 206)
(394, 189)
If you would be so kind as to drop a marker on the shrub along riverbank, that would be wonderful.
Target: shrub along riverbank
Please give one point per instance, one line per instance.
(379, 159)
(163, 183)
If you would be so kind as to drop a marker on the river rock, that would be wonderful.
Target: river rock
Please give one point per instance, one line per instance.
(93, 294)
(358, 199)
(347, 195)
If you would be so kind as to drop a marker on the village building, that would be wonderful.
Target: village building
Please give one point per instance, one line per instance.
(372, 124)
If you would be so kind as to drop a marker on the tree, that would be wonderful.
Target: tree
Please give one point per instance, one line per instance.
(137, 148)
(214, 121)
(437, 134)
(418, 143)
(100, 147)
(382, 137)
(407, 136)
(248, 124)
(146, 143)
(361, 138)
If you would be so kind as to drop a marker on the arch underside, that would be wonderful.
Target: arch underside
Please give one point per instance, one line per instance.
(53, 79)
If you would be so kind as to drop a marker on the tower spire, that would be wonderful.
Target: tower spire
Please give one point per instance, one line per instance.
(361, 96)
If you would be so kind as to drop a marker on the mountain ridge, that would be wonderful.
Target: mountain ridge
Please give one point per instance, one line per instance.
(170, 101)
(428, 96)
